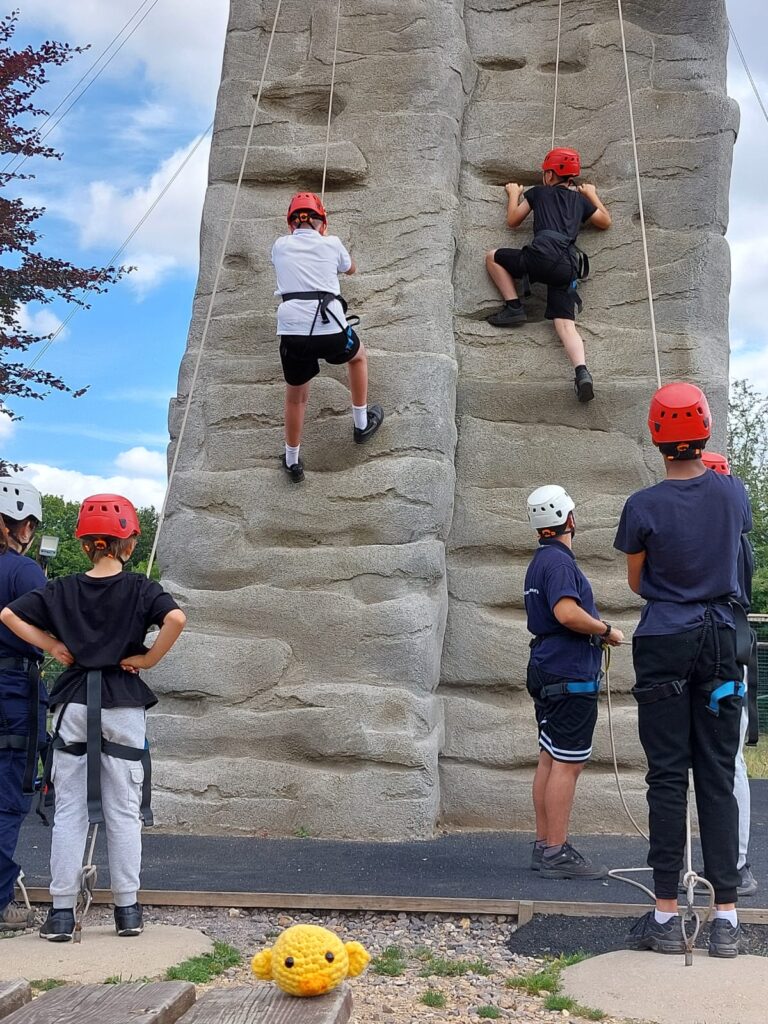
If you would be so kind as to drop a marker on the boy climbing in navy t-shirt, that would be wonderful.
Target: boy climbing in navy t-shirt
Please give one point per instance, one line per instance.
(560, 209)
(688, 656)
(312, 325)
(563, 679)
(95, 623)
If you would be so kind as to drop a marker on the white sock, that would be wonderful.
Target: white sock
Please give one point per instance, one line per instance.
(727, 915)
(662, 916)
(360, 413)
(291, 455)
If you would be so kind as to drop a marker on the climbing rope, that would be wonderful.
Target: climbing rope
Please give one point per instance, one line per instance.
(87, 885)
(638, 183)
(330, 101)
(214, 290)
(557, 68)
(752, 82)
(694, 918)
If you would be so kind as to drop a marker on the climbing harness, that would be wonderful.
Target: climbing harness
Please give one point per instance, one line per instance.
(324, 300)
(30, 741)
(548, 252)
(87, 886)
(571, 687)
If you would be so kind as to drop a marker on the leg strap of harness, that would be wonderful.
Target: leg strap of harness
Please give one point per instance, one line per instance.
(753, 728)
(30, 767)
(14, 742)
(93, 747)
(650, 694)
(574, 687)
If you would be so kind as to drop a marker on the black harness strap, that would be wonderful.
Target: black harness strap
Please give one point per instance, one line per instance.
(13, 742)
(93, 747)
(29, 742)
(753, 728)
(565, 250)
(323, 300)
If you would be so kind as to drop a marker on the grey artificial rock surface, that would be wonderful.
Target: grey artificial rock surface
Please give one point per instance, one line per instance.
(355, 658)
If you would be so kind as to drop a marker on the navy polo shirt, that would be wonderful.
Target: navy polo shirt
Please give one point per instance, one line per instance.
(552, 575)
(18, 575)
(691, 532)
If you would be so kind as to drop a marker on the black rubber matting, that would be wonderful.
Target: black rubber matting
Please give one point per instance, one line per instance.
(470, 865)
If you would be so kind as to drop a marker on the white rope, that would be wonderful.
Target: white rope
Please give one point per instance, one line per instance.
(643, 232)
(330, 101)
(752, 82)
(557, 68)
(209, 314)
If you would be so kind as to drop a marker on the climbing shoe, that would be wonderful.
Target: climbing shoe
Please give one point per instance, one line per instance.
(584, 385)
(508, 316)
(59, 926)
(15, 918)
(295, 473)
(747, 882)
(569, 863)
(129, 920)
(647, 933)
(375, 419)
(724, 939)
(537, 856)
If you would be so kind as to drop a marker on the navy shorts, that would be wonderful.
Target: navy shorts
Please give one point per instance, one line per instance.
(561, 301)
(300, 354)
(566, 723)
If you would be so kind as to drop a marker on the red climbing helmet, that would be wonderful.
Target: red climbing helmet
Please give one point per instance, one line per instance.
(307, 203)
(107, 515)
(716, 462)
(565, 162)
(679, 412)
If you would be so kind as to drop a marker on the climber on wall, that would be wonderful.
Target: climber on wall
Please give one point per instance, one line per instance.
(560, 209)
(312, 325)
(749, 716)
(563, 679)
(688, 652)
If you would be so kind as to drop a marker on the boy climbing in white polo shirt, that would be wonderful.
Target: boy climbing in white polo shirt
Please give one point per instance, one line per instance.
(312, 325)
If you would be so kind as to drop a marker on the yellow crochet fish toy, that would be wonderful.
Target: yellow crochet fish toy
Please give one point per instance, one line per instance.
(307, 960)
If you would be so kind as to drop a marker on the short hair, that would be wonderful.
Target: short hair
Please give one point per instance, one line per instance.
(96, 547)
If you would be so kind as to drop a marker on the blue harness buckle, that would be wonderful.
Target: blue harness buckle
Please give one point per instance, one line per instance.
(729, 689)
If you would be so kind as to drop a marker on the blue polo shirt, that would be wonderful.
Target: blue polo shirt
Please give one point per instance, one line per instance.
(691, 532)
(18, 575)
(552, 575)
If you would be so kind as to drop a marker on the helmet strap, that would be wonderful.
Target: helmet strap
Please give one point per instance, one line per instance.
(549, 532)
(682, 451)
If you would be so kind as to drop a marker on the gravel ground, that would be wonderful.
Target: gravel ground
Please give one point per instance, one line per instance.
(380, 999)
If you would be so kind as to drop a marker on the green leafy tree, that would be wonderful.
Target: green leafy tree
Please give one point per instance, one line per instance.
(748, 454)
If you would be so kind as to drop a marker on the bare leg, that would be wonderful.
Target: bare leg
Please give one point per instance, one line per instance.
(296, 399)
(573, 343)
(540, 780)
(500, 277)
(358, 377)
(558, 800)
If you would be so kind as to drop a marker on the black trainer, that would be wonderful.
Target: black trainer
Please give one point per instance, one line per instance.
(375, 419)
(724, 939)
(647, 933)
(537, 856)
(569, 863)
(129, 920)
(584, 385)
(748, 882)
(59, 926)
(508, 316)
(295, 472)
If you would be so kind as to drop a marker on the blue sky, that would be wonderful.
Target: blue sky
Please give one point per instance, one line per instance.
(120, 145)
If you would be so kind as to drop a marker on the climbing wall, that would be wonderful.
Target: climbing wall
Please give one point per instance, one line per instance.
(355, 657)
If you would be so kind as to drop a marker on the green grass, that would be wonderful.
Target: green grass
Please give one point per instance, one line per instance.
(757, 760)
(302, 833)
(390, 962)
(433, 998)
(46, 984)
(443, 968)
(547, 980)
(491, 1012)
(201, 969)
(113, 979)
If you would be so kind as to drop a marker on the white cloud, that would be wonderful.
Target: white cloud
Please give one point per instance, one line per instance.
(750, 364)
(7, 427)
(169, 240)
(177, 49)
(41, 322)
(142, 461)
(75, 486)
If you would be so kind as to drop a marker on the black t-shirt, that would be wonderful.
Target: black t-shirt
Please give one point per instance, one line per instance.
(101, 620)
(556, 208)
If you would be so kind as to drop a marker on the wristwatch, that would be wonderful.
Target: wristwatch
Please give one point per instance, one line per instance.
(607, 633)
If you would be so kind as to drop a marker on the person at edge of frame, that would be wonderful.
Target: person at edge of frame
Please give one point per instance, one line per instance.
(22, 694)
(688, 653)
(563, 679)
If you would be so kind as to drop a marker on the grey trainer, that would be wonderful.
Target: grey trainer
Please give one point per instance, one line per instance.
(747, 883)
(724, 939)
(647, 933)
(569, 863)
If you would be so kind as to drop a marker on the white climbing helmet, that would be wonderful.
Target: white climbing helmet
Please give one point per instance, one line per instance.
(549, 506)
(18, 500)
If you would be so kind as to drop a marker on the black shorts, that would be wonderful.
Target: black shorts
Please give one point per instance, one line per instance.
(566, 723)
(561, 300)
(300, 353)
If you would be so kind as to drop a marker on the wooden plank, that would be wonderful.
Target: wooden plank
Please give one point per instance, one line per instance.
(266, 1004)
(408, 904)
(525, 912)
(161, 1002)
(14, 995)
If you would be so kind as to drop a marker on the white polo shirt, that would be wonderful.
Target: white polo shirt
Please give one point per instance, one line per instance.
(307, 261)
